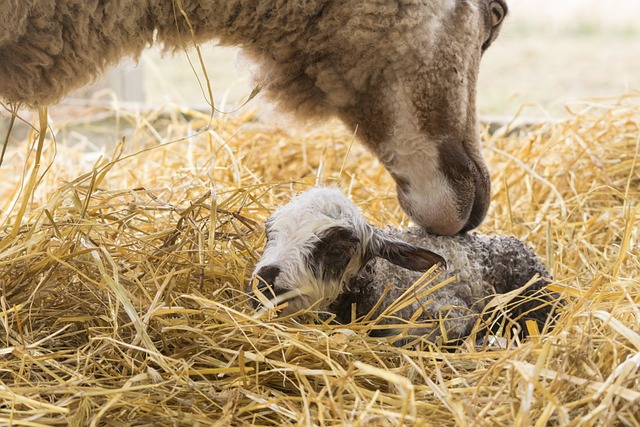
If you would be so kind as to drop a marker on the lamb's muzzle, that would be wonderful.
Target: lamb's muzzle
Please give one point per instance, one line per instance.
(327, 257)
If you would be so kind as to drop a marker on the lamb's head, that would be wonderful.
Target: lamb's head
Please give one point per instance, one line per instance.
(315, 245)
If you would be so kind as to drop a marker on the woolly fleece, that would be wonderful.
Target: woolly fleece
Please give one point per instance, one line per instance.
(484, 266)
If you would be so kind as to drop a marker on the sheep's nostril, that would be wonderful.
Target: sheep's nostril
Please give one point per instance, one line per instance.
(268, 274)
(266, 277)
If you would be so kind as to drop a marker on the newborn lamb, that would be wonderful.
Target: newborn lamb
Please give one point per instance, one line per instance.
(321, 253)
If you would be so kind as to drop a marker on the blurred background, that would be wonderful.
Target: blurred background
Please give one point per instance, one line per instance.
(549, 53)
(552, 52)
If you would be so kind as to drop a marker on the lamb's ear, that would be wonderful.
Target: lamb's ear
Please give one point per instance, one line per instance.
(403, 254)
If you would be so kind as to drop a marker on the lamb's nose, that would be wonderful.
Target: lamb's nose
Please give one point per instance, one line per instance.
(266, 277)
(268, 274)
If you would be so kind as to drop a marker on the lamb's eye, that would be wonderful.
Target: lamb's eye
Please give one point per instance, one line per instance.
(335, 253)
(497, 13)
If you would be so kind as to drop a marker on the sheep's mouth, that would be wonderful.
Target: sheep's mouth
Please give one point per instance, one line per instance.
(285, 302)
(266, 299)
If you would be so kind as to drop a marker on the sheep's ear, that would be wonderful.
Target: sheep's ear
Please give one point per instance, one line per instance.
(404, 254)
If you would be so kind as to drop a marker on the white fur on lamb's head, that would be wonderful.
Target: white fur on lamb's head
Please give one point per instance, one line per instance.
(316, 244)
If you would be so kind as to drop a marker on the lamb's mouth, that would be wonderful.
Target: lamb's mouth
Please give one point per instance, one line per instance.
(284, 304)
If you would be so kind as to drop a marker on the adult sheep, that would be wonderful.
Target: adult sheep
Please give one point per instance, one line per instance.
(403, 72)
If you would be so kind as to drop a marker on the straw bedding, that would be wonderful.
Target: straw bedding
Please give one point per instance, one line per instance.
(122, 280)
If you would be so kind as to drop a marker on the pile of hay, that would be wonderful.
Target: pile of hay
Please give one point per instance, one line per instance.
(122, 279)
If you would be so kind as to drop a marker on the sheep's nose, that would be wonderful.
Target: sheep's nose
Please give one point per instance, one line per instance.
(266, 277)
(268, 274)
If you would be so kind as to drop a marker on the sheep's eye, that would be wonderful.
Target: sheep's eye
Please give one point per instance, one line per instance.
(497, 13)
(335, 253)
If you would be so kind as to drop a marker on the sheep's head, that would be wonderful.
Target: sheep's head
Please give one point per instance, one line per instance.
(419, 115)
(315, 245)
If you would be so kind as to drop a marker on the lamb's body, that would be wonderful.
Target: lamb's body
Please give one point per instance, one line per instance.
(484, 266)
(321, 253)
(403, 72)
